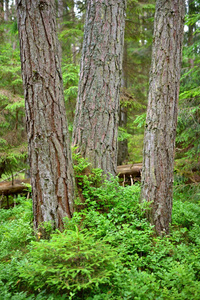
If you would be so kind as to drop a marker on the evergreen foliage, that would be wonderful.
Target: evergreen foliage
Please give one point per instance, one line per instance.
(137, 56)
(70, 83)
(108, 250)
(70, 261)
(188, 129)
(13, 144)
(136, 65)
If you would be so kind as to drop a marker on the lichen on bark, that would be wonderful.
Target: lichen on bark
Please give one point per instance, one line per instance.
(161, 121)
(96, 118)
(48, 141)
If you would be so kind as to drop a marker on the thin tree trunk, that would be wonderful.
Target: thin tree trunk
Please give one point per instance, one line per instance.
(48, 140)
(6, 12)
(60, 14)
(160, 133)
(123, 145)
(96, 117)
(74, 44)
(1, 11)
(191, 31)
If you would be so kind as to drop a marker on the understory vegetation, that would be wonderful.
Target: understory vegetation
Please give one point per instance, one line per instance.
(108, 250)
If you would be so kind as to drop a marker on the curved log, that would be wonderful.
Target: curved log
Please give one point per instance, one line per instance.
(127, 170)
(7, 188)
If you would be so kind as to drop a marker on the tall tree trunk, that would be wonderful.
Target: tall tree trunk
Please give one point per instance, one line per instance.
(96, 117)
(123, 145)
(48, 140)
(1, 11)
(60, 14)
(6, 11)
(160, 132)
(191, 27)
(74, 42)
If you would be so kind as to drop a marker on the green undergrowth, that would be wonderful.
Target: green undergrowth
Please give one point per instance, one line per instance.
(108, 250)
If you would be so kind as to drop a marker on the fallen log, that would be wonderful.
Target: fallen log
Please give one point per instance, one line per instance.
(17, 187)
(134, 170)
(129, 173)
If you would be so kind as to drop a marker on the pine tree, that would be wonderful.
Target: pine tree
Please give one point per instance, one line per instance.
(160, 132)
(48, 140)
(96, 117)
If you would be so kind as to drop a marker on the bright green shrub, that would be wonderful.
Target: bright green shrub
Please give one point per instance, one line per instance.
(153, 268)
(15, 233)
(185, 214)
(115, 214)
(70, 261)
(9, 276)
(179, 282)
(194, 234)
(24, 296)
(107, 251)
(15, 229)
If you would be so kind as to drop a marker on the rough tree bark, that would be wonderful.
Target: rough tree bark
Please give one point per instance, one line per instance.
(160, 132)
(96, 117)
(48, 141)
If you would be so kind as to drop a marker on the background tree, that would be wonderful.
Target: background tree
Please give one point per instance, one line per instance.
(13, 141)
(188, 130)
(71, 36)
(135, 77)
(48, 141)
(96, 117)
(160, 132)
(136, 65)
(133, 96)
(1, 10)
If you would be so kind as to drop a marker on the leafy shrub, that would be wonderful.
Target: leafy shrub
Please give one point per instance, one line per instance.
(71, 260)
(15, 229)
(185, 214)
(9, 276)
(15, 233)
(107, 251)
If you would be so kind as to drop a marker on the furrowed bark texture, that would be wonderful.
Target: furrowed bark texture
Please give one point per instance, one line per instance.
(160, 132)
(48, 141)
(96, 117)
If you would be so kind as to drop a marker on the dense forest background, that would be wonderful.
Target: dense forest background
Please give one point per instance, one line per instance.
(108, 250)
(134, 90)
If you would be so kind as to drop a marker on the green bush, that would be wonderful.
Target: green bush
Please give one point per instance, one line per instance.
(185, 214)
(15, 230)
(107, 251)
(15, 233)
(70, 261)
